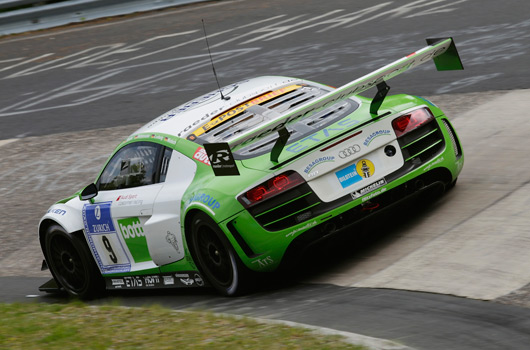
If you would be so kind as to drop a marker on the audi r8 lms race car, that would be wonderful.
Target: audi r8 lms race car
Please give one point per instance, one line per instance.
(232, 181)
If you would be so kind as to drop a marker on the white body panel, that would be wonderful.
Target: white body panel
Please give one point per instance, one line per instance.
(67, 215)
(164, 240)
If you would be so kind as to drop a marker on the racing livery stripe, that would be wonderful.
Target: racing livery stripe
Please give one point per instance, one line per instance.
(239, 109)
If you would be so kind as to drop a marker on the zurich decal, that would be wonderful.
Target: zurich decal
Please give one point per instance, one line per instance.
(97, 219)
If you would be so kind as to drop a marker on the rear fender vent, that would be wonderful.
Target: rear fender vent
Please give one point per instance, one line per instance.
(454, 140)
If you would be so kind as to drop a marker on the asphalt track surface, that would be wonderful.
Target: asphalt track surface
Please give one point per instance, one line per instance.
(116, 73)
(126, 72)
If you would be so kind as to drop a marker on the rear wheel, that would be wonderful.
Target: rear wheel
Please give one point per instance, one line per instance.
(71, 263)
(216, 258)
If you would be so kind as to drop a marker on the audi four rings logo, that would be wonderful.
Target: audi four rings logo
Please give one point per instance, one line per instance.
(350, 151)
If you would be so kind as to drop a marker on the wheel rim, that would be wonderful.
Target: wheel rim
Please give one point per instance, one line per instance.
(68, 264)
(214, 255)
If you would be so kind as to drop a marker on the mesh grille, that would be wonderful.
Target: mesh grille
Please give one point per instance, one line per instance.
(456, 145)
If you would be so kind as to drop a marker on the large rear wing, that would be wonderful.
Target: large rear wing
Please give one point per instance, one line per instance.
(442, 51)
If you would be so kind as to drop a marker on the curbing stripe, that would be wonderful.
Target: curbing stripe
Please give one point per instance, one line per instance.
(5, 142)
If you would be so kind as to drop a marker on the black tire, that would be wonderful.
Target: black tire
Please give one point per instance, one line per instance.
(71, 264)
(216, 258)
(450, 186)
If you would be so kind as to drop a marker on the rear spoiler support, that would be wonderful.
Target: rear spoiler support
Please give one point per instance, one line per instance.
(280, 144)
(382, 91)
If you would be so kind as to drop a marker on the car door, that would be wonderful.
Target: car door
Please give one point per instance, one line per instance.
(115, 219)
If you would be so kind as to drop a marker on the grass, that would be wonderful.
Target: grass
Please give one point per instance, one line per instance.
(78, 326)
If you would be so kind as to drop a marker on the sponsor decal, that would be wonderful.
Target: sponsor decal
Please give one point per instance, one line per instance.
(133, 282)
(167, 139)
(168, 280)
(201, 156)
(313, 173)
(172, 239)
(97, 218)
(117, 282)
(133, 233)
(350, 151)
(375, 135)
(126, 197)
(371, 187)
(221, 159)
(187, 281)
(57, 211)
(318, 161)
(365, 168)
(102, 238)
(432, 164)
(348, 176)
(154, 281)
(318, 136)
(374, 194)
(170, 140)
(182, 275)
(198, 280)
(264, 262)
(303, 228)
(239, 109)
(151, 281)
(206, 199)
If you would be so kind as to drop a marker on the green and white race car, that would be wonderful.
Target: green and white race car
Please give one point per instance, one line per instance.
(235, 180)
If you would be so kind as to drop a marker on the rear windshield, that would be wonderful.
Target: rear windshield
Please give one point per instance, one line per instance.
(270, 106)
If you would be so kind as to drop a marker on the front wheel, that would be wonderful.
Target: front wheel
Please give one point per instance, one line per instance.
(71, 264)
(216, 257)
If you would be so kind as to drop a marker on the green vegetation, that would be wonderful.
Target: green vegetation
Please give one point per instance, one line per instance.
(78, 326)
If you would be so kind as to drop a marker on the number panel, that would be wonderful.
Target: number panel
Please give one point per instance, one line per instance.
(103, 239)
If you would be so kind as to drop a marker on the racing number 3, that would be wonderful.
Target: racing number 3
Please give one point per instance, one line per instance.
(107, 245)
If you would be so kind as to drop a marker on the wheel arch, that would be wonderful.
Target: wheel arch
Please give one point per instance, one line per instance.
(187, 230)
(44, 225)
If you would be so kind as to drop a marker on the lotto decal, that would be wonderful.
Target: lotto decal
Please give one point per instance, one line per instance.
(134, 236)
(201, 156)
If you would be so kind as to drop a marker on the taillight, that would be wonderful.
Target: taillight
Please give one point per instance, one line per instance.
(408, 122)
(270, 188)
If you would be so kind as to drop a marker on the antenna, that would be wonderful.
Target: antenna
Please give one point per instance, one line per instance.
(211, 60)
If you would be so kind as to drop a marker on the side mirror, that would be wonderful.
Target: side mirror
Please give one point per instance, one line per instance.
(88, 192)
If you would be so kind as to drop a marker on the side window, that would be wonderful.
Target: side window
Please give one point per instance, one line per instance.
(134, 165)
(166, 157)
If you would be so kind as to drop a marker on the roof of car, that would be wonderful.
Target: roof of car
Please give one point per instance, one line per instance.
(184, 119)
